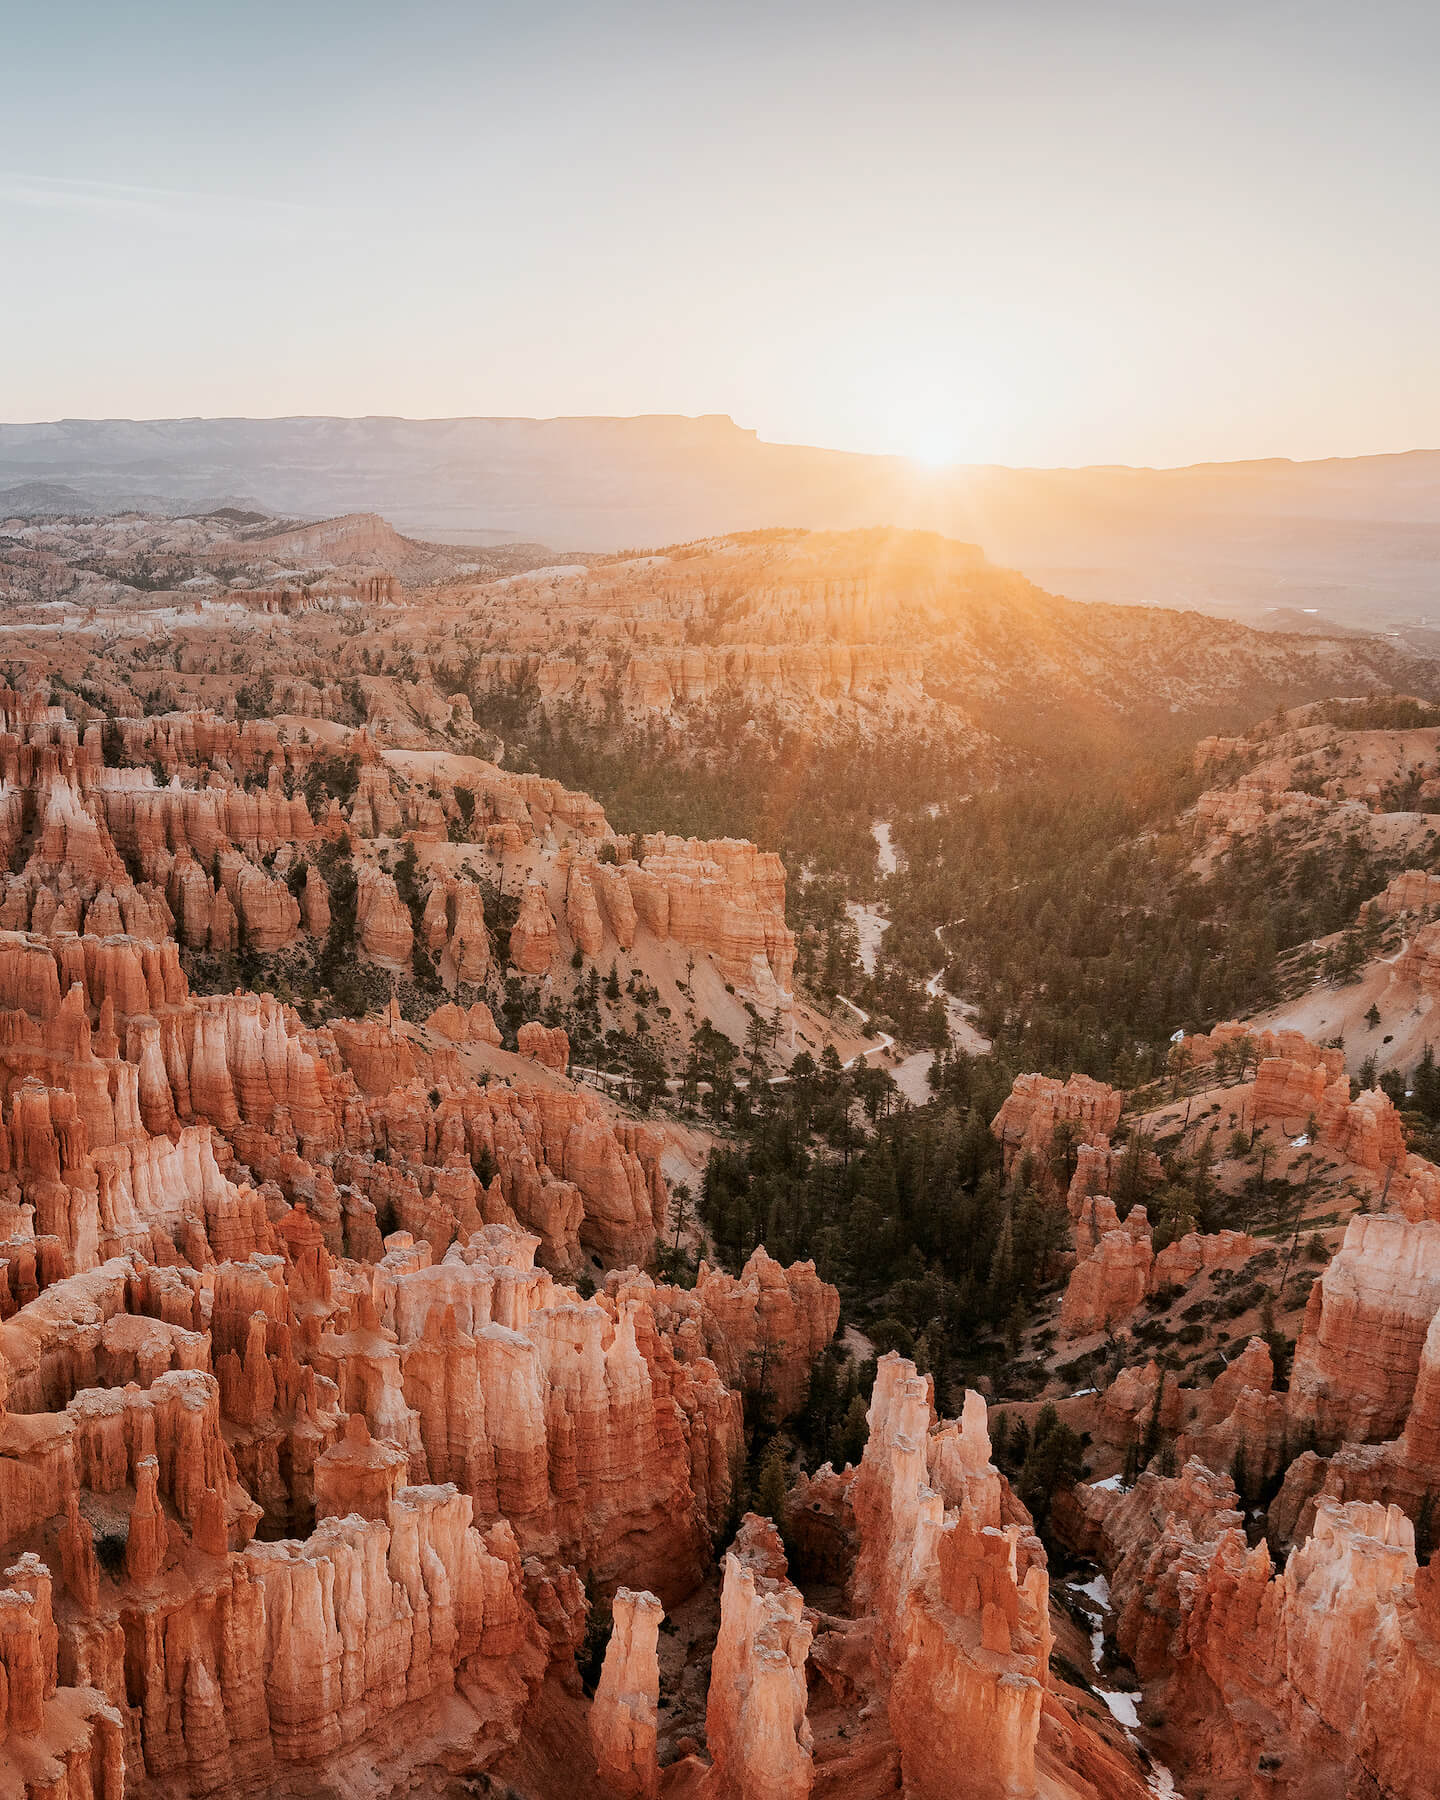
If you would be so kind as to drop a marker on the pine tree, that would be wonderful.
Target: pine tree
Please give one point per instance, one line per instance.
(1001, 1280)
(755, 1039)
(1426, 1083)
(822, 1401)
(772, 1488)
(854, 1430)
(1151, 1441)
(1055, 1461)
(1202, 1183)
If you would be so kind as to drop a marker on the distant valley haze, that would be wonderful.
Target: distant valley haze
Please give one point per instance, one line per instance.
(1353, 541)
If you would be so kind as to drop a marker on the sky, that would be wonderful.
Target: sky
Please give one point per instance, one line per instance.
(1020, 231)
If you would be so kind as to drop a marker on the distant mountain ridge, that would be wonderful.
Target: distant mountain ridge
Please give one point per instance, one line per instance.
(1356, 537)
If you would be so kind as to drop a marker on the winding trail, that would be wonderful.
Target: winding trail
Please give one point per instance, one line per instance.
(886, 1041)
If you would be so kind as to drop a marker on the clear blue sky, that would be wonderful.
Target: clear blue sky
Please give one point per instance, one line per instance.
(1013, 231)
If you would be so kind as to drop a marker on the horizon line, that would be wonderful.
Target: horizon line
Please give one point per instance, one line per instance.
(935, 470)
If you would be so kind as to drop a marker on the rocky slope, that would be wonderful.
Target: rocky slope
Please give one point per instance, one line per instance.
(65, 552)
(1257, 1514)
(886, 619)
(203, 838)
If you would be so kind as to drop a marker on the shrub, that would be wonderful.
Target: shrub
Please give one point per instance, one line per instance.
(110, 1548)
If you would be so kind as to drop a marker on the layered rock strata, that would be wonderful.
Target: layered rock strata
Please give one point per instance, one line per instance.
(959, 1596)
(1038, 1105)
(623, 1720)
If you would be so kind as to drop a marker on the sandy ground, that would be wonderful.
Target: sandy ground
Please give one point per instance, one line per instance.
(685, 1154)
(421, 765)
(1407, 1018)
(485, 1062)
(870, 926)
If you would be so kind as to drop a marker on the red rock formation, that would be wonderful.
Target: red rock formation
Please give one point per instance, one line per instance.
(1412, 890)
(1139, 1394)
(373, 811)
(762, 1331)
(765, 1330)
(549, 1046)
(1366, 1130)
(1404, 1471)
(576, 1422)
(268, 911)
(960, 1602)
(1037, 1104)
(358, 1475)
(465, 1025)
(614, 891)
(1109, 1284)
(582, 912)
(315, 903)
(454, 923)
(1301, 1083)
(755, 1719)
(1366, 1321)
(803, 673)
(1117, 1266)
(1249, 1048)
(382, 919)
(1246, 808)
(1239, 1421)
(1183, 1259)
(430, 1604)
(1419, 961)
(1293, 1089)
(571, 1430)
(623, 1720)
(319, 1453)
(534, 941)
(468, 941)
(722, 897)
(1275, 1670)
(55, 1740)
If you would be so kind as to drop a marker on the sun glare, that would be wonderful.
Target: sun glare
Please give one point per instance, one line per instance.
(932, 435)
(925, 427)
(936, 414)
(935, 449)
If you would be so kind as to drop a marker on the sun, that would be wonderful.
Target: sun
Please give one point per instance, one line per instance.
(932, 393)
(930, 424)
(934, 449)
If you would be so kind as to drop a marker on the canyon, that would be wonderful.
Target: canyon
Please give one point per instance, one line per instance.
(384, 1406)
